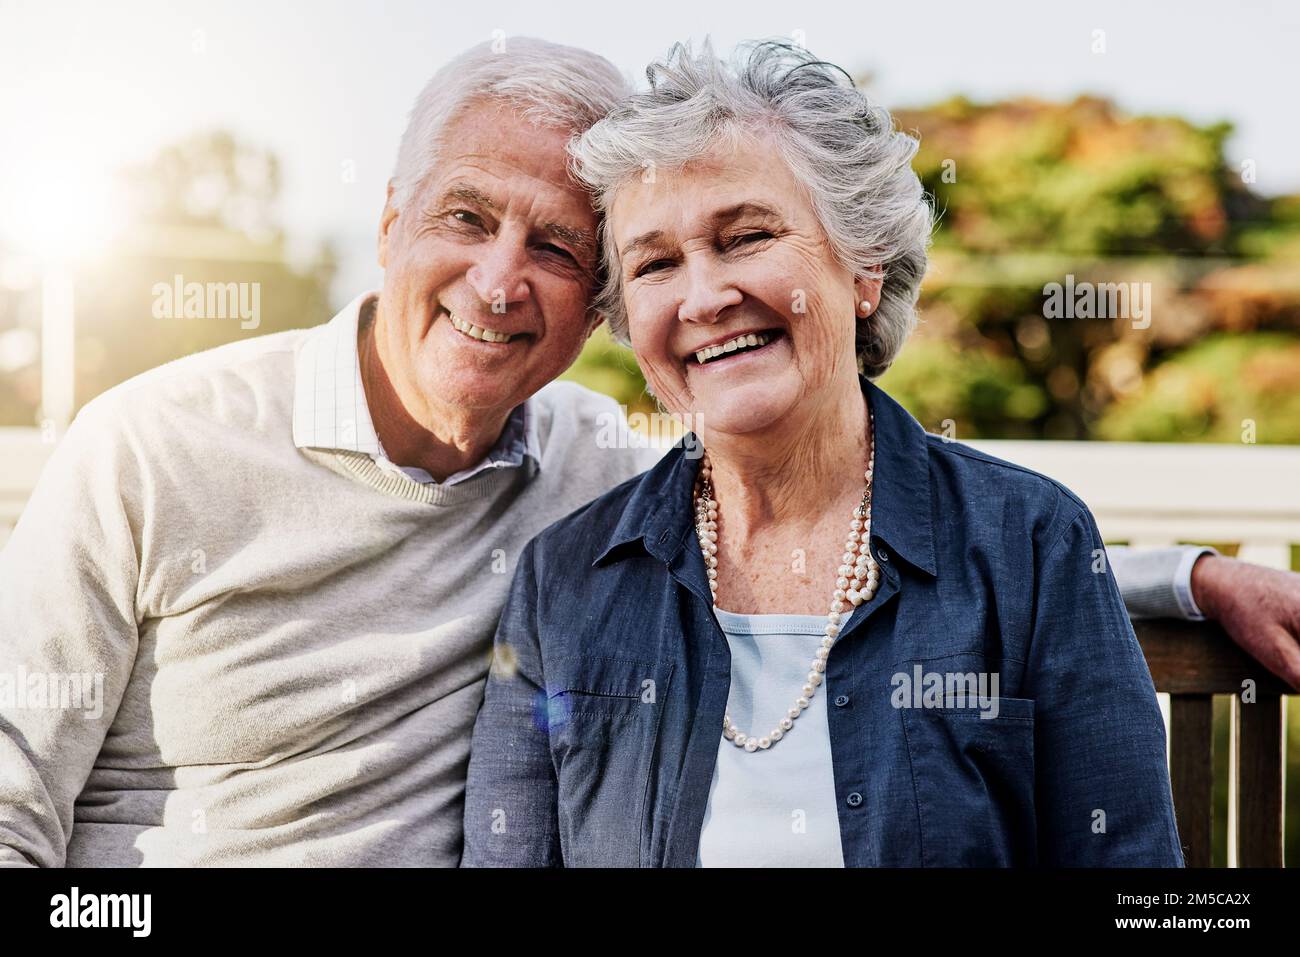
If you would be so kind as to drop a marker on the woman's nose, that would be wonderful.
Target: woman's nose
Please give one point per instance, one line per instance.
(708, 292)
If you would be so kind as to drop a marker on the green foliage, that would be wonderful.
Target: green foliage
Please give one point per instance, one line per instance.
(608, 367)
(1029, 192)
(210, 180)
(933, 377)
(1077, 177)
(1224, 389)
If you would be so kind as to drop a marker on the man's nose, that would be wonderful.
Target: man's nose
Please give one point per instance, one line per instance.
(498, 277)
(708, 292)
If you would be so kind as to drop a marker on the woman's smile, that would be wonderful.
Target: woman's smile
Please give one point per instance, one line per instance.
(745, 354)
(727, 346)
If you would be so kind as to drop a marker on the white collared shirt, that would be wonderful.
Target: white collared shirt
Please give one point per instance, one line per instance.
(330, 411)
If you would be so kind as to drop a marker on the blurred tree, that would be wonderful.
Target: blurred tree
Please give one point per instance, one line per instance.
(204, 210)
(1079, 177)
(1227, 388)
(1029, 193)
(208, 180)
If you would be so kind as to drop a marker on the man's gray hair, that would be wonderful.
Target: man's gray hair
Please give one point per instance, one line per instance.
(855, 167)
(550, 83)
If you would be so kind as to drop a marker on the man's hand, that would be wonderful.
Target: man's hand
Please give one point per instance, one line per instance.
(1258, 607)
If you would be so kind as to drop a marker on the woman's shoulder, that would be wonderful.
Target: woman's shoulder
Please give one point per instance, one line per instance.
(576, 540)
(991, 487)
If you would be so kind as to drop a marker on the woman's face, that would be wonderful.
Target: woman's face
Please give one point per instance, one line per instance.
(724, 247)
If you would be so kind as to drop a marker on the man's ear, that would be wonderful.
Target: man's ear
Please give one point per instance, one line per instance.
(385, 223)
(596, 319)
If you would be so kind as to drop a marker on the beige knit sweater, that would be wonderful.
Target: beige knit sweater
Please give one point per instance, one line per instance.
(289, 646)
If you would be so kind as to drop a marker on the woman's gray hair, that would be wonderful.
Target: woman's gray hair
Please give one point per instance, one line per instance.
(844, 149)
(553, 85)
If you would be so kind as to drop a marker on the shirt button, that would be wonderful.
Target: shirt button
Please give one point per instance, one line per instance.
(882, 554)
(841, 700)
(854, 799)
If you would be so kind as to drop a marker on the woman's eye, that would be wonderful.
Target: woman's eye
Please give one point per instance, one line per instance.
(743, 238)
(655, 265)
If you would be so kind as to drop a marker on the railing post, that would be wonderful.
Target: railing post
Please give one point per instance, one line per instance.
(58, 349)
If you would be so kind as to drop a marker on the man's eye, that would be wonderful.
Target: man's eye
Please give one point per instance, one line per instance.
(466, 217)
(554, 250)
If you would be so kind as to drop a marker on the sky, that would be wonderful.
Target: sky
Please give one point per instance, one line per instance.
(88, 86)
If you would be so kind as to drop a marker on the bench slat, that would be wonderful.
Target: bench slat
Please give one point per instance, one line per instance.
(1191, 770)
(1200, 658)
(1257, 779)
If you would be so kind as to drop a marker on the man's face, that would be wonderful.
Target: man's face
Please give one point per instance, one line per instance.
(498, 242)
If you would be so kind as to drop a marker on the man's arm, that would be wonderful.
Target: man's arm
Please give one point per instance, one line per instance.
(68, 636)
(1157, 582)
(1258, 607)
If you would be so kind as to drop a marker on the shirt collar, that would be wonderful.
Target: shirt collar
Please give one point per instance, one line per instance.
(330, 410)
(659, 513)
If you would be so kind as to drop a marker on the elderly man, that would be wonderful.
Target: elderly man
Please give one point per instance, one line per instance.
(282, 561)
(246, 615)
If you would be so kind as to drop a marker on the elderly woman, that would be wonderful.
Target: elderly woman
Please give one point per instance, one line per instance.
(812, 634)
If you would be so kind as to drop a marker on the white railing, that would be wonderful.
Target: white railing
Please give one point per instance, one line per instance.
(1151, 494)
(1147, 494)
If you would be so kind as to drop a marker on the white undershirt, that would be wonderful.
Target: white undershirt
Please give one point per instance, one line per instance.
(773, 808)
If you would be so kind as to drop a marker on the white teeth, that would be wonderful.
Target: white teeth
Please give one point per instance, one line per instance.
(478, 332)
(731, 345)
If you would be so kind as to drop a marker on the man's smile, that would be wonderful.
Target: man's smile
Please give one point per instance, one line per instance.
(478, 333)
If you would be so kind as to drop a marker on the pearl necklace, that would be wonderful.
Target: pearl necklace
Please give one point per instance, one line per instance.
(859, 576)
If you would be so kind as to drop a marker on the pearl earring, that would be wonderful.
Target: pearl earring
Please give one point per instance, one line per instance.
(865, 306)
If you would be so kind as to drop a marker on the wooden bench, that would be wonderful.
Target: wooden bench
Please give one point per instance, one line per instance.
(1193, 661)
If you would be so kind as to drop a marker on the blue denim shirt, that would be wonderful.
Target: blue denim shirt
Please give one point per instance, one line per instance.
(600, 726)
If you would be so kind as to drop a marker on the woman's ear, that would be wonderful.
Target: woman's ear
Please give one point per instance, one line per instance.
(867, 294)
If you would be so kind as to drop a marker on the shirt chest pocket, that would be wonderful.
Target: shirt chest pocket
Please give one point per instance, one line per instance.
(592, 686)
(973, 769)
(604, 716)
